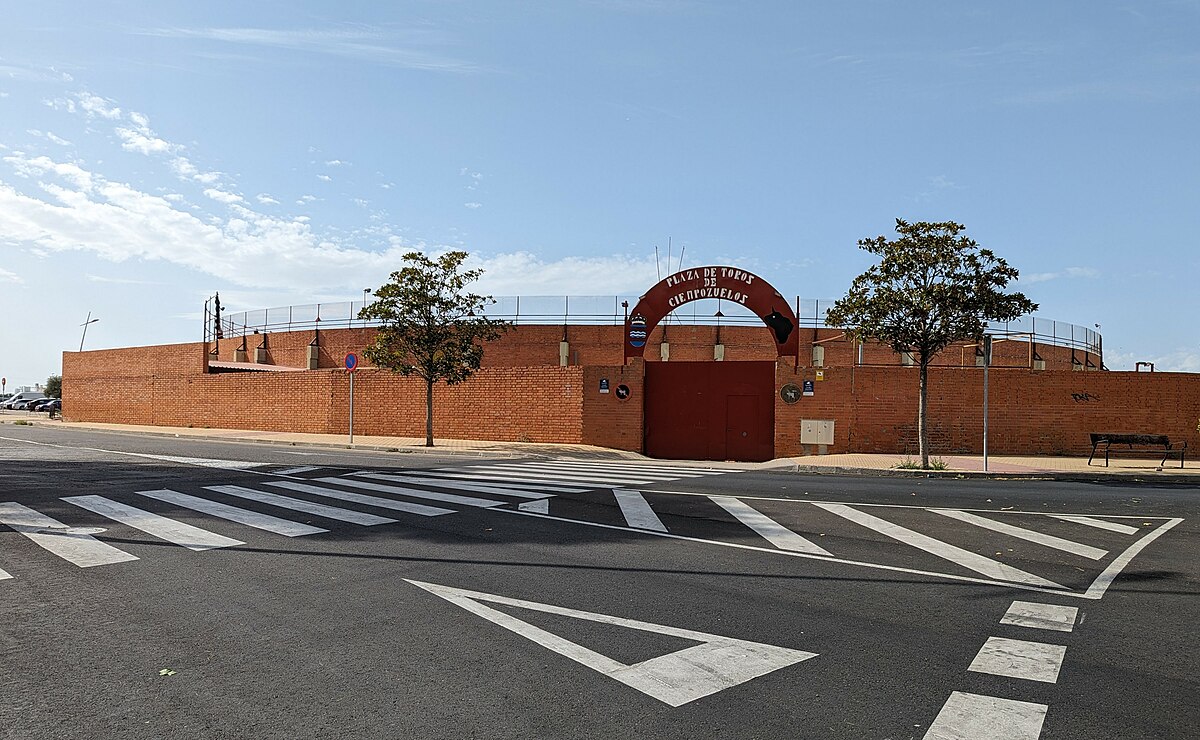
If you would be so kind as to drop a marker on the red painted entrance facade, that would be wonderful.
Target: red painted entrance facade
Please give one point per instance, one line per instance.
(710, 410)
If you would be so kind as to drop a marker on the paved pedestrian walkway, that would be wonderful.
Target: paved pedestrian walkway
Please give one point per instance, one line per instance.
(1005, 466)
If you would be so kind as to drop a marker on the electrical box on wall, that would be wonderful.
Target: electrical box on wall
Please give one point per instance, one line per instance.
(816, 432)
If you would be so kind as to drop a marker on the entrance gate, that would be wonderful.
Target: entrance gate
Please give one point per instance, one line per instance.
(710, 410)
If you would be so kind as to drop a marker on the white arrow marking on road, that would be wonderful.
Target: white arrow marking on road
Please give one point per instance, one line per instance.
(677, 678)
(637, 511)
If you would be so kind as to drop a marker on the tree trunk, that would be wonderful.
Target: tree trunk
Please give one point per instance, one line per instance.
(923, 415)
(429, 412)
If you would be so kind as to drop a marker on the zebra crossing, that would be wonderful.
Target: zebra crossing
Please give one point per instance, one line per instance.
(1062, 553)
(313, 492)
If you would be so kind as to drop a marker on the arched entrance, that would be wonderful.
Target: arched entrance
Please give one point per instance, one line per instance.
(711, 410)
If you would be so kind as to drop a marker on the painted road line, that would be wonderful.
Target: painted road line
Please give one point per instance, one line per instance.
(637, 511)
(634, 465)
(447, 478)
(296, 504)
(1098, 523)
(537, 467)
(578, 485)
(565, 476)
(449, 498)
(537, 507)
(771, 530)
(203, 462)
(184, 535)
(975, 717)
(359, 498)
(677, 678)
(967, 559)
(1058, 543)
(456, 485)
(293, 471)
(1105, 579)
(81, 549)
(1032, 661)
(1041, 616)
(4, 575)
(254, 519)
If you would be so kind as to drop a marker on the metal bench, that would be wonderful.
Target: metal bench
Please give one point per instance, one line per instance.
(1142, 440)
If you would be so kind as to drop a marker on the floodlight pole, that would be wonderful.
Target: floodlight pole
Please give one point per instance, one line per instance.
(90, 320)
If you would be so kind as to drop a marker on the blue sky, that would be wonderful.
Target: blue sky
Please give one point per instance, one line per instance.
(288, 153)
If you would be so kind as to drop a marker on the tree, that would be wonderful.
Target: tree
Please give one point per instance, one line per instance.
(932, 286)
(54, 386)
(431, 327)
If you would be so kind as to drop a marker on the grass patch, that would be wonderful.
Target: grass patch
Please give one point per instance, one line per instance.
(907, 463)
(23, 423)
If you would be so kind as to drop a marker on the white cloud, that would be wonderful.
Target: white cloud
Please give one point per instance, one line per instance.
(142, 142)
(9, 277)
(94, 105)
(223, 196)
(335, 163)
(473, 205)
(306, 199)
(266, 199)
(57, 139)
(117, 281)
(324, 178)
(1070, 272)
(522, 273)
(139, 120)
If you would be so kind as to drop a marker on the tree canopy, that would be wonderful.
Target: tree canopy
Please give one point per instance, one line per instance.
(932, 286)
(430, 325)
(54, 386)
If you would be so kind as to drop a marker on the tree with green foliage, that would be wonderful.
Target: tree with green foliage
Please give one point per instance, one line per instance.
(431, 327)
(53, 386)
(931, 287)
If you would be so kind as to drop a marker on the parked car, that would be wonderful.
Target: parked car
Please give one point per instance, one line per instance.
(53, 407)
(40, 404)
(23, 398)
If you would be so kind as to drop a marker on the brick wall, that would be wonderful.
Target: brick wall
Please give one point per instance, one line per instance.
(522, 393)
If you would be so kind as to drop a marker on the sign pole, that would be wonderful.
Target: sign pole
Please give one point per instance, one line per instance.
(987, 360)
(351, 408)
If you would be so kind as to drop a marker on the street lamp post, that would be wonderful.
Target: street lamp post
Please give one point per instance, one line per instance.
(90, 320)
(365, 291)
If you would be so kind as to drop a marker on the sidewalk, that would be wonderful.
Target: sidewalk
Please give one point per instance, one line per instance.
(957, 466)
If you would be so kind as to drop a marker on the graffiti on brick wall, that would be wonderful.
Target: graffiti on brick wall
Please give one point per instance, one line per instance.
(1084, 397)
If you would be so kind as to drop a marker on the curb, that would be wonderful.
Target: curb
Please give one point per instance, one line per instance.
(1148, 478)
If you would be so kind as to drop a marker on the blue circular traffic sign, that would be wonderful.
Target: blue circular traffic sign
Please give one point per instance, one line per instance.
(351, 362)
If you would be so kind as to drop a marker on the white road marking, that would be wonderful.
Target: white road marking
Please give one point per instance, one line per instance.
(301, 469)
(1098, 523)
(295, 504)
(203, 462)
(1041, 616)
(4, 575)
(975, 717)
(634, 465)
(1105, 579)
(359, 498)
(771, 530)
(573, 470)
(637, 511)
(674, 679)
(1058, 543)
(967, 559)
(449, 498)
(254, 519)
(446, 478)
(1032, 661)
(456, 485)
(184, 535)
(539, 507)
(495, 471)
(81, 549)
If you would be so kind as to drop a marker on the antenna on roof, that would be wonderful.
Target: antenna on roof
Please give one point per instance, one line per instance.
(681, 251)
(657, 269)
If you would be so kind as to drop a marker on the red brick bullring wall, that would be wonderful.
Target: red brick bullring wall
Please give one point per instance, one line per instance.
(522, 394)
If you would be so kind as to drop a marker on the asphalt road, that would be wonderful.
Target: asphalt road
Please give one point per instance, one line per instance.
(156, 587)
